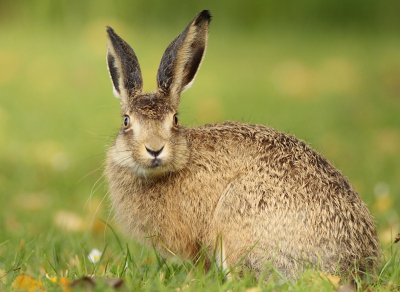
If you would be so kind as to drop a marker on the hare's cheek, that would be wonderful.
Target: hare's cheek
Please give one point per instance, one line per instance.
(121, 153)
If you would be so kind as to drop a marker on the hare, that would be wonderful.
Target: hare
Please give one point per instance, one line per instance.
(247, 193)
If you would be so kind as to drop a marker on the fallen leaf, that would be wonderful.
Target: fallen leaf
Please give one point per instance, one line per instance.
(26, 283)
(332, 278)
(88, 283)
(397, 239)
(62, 281)
(149, 261)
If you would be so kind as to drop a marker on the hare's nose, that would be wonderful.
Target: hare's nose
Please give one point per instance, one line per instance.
(154, 153)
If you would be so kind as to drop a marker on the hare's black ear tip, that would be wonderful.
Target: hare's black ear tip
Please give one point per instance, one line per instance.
(110, 31)
(204, 15)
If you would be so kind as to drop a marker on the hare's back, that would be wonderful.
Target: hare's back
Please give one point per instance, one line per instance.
(276, 162)
(267, 153)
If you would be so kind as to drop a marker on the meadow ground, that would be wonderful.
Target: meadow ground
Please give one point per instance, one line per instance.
(337, 90)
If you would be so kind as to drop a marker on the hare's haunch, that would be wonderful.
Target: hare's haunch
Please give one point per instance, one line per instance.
(247, 191)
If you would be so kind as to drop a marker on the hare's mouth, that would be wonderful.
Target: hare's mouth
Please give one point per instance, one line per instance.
(155, 168)
(156, 162)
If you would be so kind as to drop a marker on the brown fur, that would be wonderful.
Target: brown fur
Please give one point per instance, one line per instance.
(266, 194)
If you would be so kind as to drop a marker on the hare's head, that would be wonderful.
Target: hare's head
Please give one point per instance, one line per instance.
(151, 141)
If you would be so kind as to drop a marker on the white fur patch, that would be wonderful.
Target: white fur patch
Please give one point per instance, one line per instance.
(121, 156)
(116, 94)
(189, 84)
(136, 128)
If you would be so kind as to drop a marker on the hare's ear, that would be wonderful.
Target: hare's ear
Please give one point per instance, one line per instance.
(123, 67)
(183, 57)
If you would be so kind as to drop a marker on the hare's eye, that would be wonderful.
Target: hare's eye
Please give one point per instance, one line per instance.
(127, 121)
(176, 121)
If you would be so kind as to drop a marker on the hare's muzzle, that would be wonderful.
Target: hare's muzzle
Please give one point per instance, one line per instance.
(156, 162)
(154, 153)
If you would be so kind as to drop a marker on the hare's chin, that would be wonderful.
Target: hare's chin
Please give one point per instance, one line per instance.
(154, 169)
(149, 172)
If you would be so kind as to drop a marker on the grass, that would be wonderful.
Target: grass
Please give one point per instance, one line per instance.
(337, 90)
(66, 255)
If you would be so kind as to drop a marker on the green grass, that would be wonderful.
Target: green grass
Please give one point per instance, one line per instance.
(66, 255)
(338, 90)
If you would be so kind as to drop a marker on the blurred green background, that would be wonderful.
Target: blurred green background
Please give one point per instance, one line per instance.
(326, 71)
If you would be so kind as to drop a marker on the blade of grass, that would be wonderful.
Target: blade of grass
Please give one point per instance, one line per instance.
(4, 242)
(54, 269)
(128, 254)
(170, 251)
(160, 261)
(115, 235)
(123, 267)
(242, 259)
(280, 275)
(13, 270)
